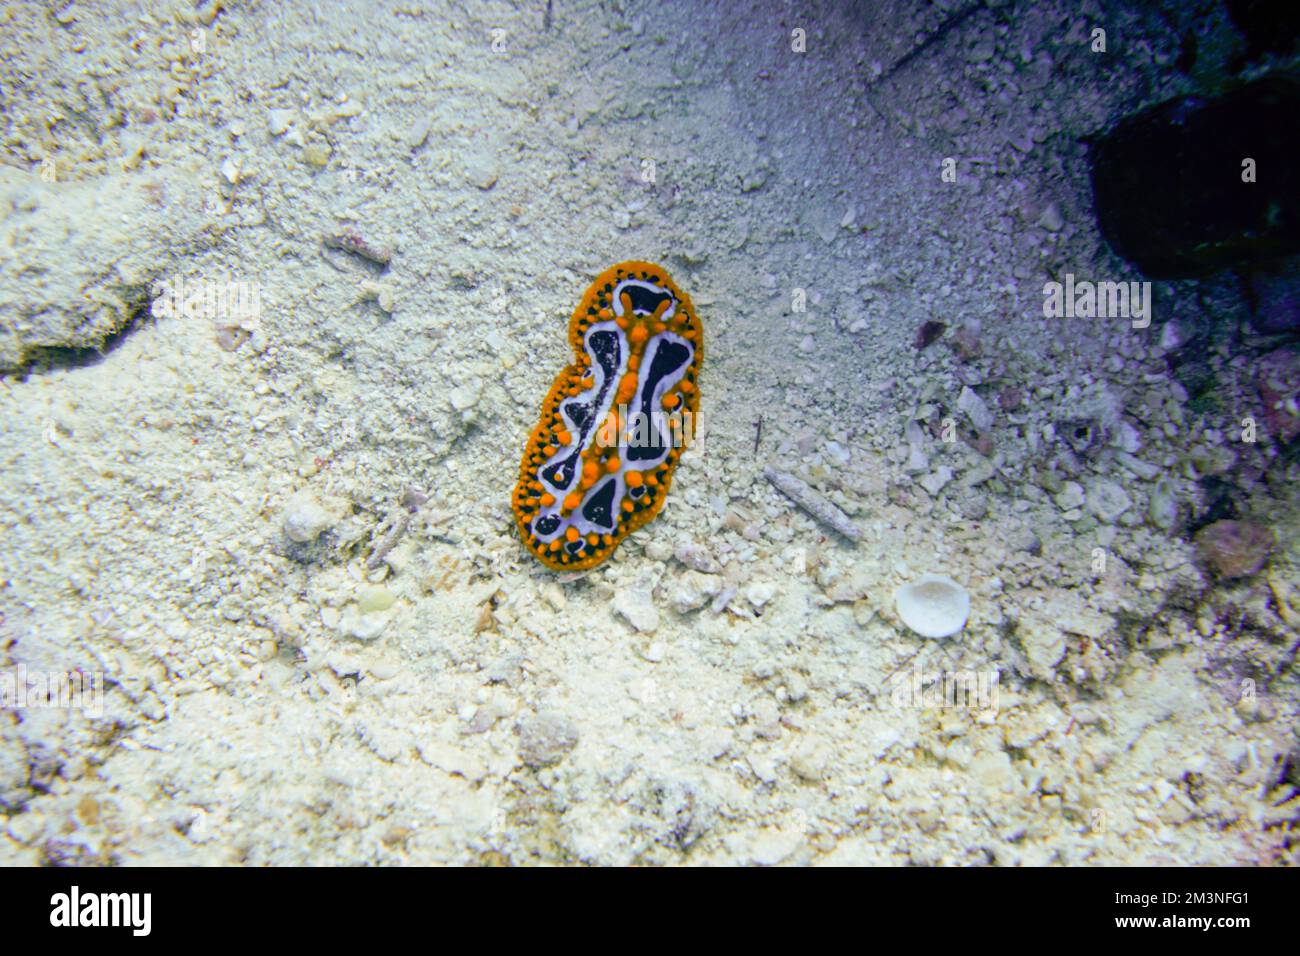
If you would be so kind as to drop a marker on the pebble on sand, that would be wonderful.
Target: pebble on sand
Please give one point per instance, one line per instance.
(636, 607)
(1234, 549)
(545, 738)
(305, 518)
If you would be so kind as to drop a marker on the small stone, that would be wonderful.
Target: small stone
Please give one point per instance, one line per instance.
(773, 846)
(918, 462)
(696, 557)
(966, 343)
(378, 292)
(278, 121)
(1070, 496)
(936, 480)
(1143, 470)
(975, 507)
(375, 598)
(418, 133)
(361, 626)
(1234, 549)
(465, 396)
(1213, 459)
(809, 761)
(848, 588)
(481, 168)
(696, 253)
(837, 453)
(1010, 398)
(994, 770)
(760, 593)
(452, 760)
(230, 338)
(27, 827)
(975, 408)
(506, 670)
(658, 550)
(1162, 509)
(694, 590)
(545, 738)
(1051, 219)
(754, 178)
(88, 810)
(231, 169)
(384, 668)
(1025, 540)
(636, 607)
(796, 688)
(763, 767)
(1254, 710)
(554, 596)
(1107, 500)
(1127, 438)
(305, 518)
(316, 155)
(1044, 644)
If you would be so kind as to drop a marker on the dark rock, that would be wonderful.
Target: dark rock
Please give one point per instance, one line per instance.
(1278, 380)
(1234, 549)
(1168, 189)
(545, 738)
(929, 333)
(1268, 26)
(1275, 297)
(966, 343)
(982, 442)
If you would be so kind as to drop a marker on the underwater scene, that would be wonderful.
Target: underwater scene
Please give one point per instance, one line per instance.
(630, 433)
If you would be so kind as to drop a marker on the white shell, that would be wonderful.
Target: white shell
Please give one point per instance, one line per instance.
(933, 605)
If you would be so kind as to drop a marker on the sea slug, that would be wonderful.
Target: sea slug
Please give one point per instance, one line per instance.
(600, 462)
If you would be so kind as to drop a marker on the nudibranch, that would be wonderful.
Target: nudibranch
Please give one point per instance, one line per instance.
(600, 462)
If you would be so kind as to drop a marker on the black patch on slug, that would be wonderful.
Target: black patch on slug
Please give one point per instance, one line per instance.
(599, 509)
(668, 358)
(645, 301)
(565, 469)
(605, 350)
